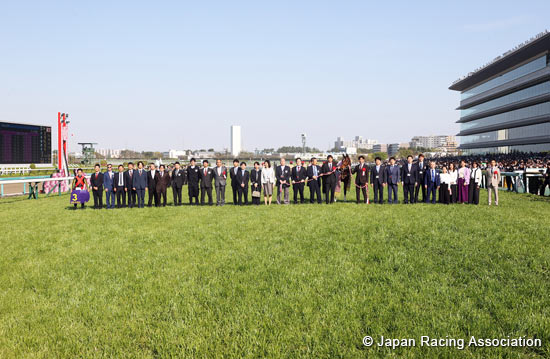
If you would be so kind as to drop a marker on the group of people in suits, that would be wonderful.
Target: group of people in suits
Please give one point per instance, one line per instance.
(450, 185)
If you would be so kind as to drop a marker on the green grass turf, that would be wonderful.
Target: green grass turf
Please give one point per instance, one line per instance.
(281, 281)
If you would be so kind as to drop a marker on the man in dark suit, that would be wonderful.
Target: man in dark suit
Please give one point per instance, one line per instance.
(162, 180)
(282, 176)
(177, 183)
(152, 185)
(378, 180)
(108, 184)
(314, 181)
(234, 184)
(206, 177)
(242, 178)
(432, 182)
(421, 168)
(361, 179)
(193, 182)
(119, 186)
(129, 179)
(408, 180)
(139, 184)
(298, 176)
(392, 178)
(96, 182)
(329, 176)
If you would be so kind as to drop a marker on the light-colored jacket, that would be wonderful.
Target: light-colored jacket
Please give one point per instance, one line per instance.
(454, 176)
(475, 175)
(222, 178)
(268, 175)
(493, 179)
(466, 173)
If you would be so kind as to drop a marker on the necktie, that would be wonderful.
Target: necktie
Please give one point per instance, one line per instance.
(140, 172)
(161, 174)
(315, 171)
(120, 179)
(330, 166)
(205, 171)
(97, 174)
(433, 175)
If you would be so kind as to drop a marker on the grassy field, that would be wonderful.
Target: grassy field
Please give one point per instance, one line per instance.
(281, 281)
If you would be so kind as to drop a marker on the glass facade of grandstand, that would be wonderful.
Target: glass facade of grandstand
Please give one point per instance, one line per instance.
(505, 107)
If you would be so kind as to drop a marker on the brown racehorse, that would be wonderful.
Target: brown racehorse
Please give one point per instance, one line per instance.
(344, 166)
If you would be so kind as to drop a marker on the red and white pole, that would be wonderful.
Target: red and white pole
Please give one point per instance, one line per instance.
(59, 143)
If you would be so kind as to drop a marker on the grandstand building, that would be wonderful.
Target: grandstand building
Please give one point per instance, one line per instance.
(505, 105)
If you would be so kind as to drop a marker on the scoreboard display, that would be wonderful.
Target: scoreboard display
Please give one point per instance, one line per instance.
(25, 144)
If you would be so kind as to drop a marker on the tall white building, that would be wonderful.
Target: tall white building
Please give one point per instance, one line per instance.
(236, 140)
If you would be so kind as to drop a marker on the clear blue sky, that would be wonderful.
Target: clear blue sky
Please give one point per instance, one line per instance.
(176, 74)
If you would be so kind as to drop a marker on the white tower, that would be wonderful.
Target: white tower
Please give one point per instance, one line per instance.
(236, 140)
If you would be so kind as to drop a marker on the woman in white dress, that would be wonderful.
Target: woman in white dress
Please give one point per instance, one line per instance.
(444, 189)
(268, 181)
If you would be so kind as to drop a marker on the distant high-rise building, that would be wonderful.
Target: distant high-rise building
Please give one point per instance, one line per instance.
(357, 142)
(429, 141)
(393, 148)
(236, 140)
(380, 147)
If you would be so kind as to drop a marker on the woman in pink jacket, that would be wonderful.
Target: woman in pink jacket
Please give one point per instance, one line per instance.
(463, 182)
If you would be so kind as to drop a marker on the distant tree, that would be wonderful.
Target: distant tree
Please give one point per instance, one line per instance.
(404, 152)
(210, 150)
(129, 154)
(296, 149)
(372, 156)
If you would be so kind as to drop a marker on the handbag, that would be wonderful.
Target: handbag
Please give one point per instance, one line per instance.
(255, 193)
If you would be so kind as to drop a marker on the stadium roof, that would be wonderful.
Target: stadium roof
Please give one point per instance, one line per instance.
(530, 48)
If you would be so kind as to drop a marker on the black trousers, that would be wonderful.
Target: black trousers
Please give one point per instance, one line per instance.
(329, 192)
(120, 197)
(161, 194)
(378, 189)
(358, 194)
(298, 188)
(408, 193)
(243, 191)
(444, 195)
(454, 193)
(176, 192)
(153, 196)
(417, 189)
(193, 190)
(235, 194)
(473, 193)
(208, 191)
(315, 190)
(98, 197)
(131, 197)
